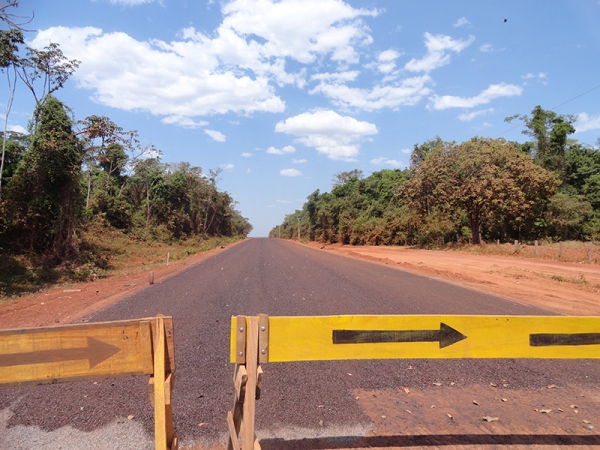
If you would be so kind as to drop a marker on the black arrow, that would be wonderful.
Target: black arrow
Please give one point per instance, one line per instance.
(95, 352)
(445, 336)
(544, 340)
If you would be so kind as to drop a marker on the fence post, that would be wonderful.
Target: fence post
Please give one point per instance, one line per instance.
(560, 250)
(590, 251)
(516, 245)
(537, 250)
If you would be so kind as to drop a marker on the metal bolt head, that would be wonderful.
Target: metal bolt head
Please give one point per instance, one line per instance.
(241, 353)
(263, 328)
(264, 352)
(241, 329)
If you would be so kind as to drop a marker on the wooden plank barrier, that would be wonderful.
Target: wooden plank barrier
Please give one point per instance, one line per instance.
(255, 340)
(97, 350)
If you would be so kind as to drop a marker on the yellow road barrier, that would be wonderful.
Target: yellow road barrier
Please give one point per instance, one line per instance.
(93, 351)
(255, 340)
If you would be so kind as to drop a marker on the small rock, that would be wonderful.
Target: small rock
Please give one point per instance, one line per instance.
(130, 416)
(491, 419)
(475, 402)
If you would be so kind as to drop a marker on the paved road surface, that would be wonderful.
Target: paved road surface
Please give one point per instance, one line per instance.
(310, 399)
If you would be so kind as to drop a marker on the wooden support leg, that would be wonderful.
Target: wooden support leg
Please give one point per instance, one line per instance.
(162, 384)
(247, 379)
(249, 410)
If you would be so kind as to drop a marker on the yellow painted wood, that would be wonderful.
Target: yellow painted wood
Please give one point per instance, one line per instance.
(75, 352)
(310, 338)
(160, 424)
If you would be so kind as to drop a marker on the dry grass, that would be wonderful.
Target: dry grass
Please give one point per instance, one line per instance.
(572, 251)
(105, 252)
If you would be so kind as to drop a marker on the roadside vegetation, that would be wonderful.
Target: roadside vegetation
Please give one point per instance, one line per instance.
(80, 197)
(481, 190)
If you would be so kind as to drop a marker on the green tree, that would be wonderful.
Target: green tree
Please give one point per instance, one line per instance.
(343, 177)
(550, 132)
(567, 214)
(48, 67)
(420, 151)
(488, 179)
(9, 61)
(44, 193)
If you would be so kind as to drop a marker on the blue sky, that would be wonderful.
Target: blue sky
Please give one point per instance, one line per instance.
(282, 95)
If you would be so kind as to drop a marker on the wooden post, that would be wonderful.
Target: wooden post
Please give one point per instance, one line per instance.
(560, 250)
(251, 345)
(168, 256)
(162, 384)
(250, 399)
(497, 242)
(590, 251)
(537, 250)
(151, 277)
(516, 245)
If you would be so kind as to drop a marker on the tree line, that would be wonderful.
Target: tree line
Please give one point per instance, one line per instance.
(66, 174)
(481, 189)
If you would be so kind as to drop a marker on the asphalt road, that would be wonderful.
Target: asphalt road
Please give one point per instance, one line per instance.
(279, 278)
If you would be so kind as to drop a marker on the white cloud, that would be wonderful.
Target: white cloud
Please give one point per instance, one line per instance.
(338, 77)
(185, 122)
(337, 137)
(383, 161)
(540, 77)
(586, 122)
(282, 201)
(437, 56)
(461, 22)
(284, 151)
(486, 96)
(385, 61)
(405, 93)
(234, 68)
(290, 173)
(471, 115)
(486, 48)
(246, 155)
(17, 128)
(299, 161)
(216, 135)
(406, 151)
(227, 166)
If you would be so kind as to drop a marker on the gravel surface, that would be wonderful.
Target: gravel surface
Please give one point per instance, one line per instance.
(308, 400)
